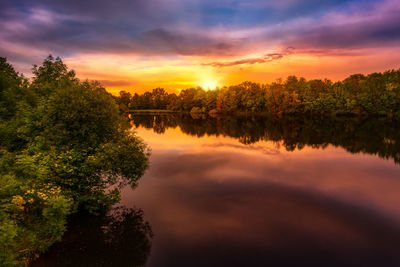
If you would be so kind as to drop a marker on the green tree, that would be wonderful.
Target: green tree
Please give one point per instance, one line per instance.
(65, 149)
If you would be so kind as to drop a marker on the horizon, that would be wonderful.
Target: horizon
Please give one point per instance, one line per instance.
(175, 45)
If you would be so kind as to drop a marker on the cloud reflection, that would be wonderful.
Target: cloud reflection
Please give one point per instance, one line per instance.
(223, 203)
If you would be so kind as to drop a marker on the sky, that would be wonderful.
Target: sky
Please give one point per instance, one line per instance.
(176, 44)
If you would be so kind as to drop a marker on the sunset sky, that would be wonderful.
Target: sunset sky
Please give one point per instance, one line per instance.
(142, 44)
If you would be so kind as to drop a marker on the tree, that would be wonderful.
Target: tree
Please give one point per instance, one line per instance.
(124, 101)
(67, 149)
(376, 93)
(159, 96)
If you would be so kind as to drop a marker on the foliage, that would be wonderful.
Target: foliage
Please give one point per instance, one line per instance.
(63, 147)
(376, 93)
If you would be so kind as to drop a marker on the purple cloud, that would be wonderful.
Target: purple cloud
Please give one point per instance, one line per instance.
(266, 58)
(191, 28)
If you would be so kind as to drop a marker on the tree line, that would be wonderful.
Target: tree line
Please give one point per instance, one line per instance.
(63, 148)
(377, 136)
(375, 93)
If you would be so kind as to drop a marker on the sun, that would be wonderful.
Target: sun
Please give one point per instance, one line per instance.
(209, 84)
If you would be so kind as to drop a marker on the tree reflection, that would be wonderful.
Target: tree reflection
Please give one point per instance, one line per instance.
(378, 136)
(119, 238)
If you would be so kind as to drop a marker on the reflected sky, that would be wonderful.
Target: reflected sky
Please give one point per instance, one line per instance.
(214, 201)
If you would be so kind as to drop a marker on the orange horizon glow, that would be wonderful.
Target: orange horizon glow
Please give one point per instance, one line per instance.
(179, 44)
(124, 73)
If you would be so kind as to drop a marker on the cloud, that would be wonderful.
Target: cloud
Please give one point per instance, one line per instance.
(377, 25)
(66, 35)
(266, 58)
(183, 43)
(219, 33)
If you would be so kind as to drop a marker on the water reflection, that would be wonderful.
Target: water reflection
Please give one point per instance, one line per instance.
(252, 192)
(119, 238)
(264, 192)
(367, 135)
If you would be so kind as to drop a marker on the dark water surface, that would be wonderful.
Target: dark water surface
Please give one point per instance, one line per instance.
(251, 192)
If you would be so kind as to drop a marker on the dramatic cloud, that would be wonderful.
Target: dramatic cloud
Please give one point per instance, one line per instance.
(378, 27)
(204, 34)
(193, 28)
(266, 58)
(162, 41)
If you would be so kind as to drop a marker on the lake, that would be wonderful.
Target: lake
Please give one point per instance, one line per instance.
(251, 191)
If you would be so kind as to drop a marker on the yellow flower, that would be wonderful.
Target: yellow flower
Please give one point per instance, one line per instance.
(18, 201)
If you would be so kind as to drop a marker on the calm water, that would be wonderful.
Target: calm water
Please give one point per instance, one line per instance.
(251, 192)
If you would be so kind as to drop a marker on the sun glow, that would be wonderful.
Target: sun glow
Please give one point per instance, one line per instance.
(209, 84)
